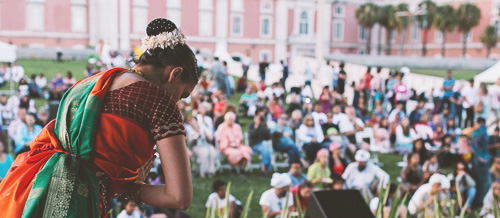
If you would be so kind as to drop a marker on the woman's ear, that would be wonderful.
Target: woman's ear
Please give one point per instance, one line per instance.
(175, 74)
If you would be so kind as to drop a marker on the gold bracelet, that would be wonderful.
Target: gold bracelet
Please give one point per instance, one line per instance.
(134, 192)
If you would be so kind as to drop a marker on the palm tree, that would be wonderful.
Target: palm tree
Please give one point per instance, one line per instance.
(468, 15)
(367, 17)
(389, 21)
(403, 23)
(489, 39)
(445, 21)
(426, 20)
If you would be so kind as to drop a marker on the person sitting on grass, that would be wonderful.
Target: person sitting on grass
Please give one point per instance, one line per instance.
(129, 210)
(273, 200)
(296, 174)
(217, 200)
(338, 182)
(303, 192)
(319, 173)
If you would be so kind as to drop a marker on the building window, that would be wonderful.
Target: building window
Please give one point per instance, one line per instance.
(266, 29)
(206, 20)
(266, 6)
(438, 36)
(265, 55)
(496, 26)
(303, 23)
(338, 31)
(363, 34)
(36, 16)
(78, 18)
(468, 36)
(140, 19)
(237, 5)
(392, 36)
(415, 31)
(236, 25)
(204, 4)
(338, 10)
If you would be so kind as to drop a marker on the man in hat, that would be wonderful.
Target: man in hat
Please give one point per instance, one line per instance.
(273, 200)
(423, 199)
(362, 173)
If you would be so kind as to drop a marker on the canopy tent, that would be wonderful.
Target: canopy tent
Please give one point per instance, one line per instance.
(7, 52)
(490, 75)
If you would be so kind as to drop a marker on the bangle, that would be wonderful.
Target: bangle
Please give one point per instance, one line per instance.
(134, 192)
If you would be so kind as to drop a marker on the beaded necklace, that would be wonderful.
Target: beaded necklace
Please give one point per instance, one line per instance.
(138, 72)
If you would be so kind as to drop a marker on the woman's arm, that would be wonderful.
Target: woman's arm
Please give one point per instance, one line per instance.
(177, 193)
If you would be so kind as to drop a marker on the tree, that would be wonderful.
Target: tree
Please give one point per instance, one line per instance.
(445, 21)
(403, 21)
(489, 39)
(426, 20)
(389, 21)
(468, 15)
(367, 16)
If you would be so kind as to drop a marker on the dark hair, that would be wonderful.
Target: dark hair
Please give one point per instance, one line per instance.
(295, 162)
(305, 184)
(342, 64)
(179, 55)
(217, 184)
(481, 120)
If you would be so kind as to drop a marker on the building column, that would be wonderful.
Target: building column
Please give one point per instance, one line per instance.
(320, 36)
(92, 28)
(281, 31)
(221, 29)
(125, 25)
(327, 28)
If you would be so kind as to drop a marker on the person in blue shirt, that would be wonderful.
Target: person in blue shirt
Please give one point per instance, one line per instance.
(448, 84)
(26, 133)
(6, 161)
(296, 174)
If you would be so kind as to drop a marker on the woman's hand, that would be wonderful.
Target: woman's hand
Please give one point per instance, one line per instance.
(144, 170)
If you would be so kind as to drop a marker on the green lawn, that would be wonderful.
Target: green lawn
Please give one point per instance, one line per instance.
(457, 74)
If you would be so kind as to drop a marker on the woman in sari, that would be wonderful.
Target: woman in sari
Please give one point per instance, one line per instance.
(101, 143)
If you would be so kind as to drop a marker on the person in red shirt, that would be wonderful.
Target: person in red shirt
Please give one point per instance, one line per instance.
(304, 192)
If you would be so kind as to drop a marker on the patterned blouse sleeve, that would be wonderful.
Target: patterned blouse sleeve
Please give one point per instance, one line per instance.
(166, 119)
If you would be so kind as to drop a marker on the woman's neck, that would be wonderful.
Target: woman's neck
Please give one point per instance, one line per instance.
(149, 74)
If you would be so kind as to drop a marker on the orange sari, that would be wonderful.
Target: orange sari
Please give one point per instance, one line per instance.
(116, 147)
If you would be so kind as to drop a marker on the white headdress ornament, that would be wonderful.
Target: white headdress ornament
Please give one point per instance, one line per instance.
(163, 40)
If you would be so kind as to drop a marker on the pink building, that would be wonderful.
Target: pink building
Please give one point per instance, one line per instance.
(272, 29)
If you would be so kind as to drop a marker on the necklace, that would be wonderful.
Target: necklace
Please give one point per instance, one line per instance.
(138, 72)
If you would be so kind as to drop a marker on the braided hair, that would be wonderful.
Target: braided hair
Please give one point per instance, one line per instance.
(179, 55)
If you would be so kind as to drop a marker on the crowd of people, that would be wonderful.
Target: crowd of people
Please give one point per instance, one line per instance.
(446, 128)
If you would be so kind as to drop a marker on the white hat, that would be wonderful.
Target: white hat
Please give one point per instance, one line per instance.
(362, 155)
(280, 180)
(436, 178)
(445, 183)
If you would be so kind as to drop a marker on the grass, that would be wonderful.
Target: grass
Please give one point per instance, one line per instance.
(457, 74)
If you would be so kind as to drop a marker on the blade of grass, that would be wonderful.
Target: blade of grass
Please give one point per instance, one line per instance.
(246, 209)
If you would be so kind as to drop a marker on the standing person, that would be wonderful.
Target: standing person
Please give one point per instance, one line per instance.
(390, 83)
(114, 139)
(246, 62)
(480, 160)
(401, 92)
(448, 84)
(469, 100)
(201, 61)
(17, 72)
(226, 78)
(341, 79)
(285, 74)
(258, 134)
(483, 106)
(495, 100)
(218, 74)
(308, 74)
(377, 85)
(456, 107)
(273, 201)
(262, 69)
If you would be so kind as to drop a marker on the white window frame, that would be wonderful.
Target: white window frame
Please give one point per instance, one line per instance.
(307, 23)
(438, 36)
(263, 6)
(335, 31)
(267, 52)
(342, 11)
(35, 23)
(240, 16)
(270, 26)
(362, 32)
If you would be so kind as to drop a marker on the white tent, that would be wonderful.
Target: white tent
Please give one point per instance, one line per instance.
(490, 75)
(7, 52)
